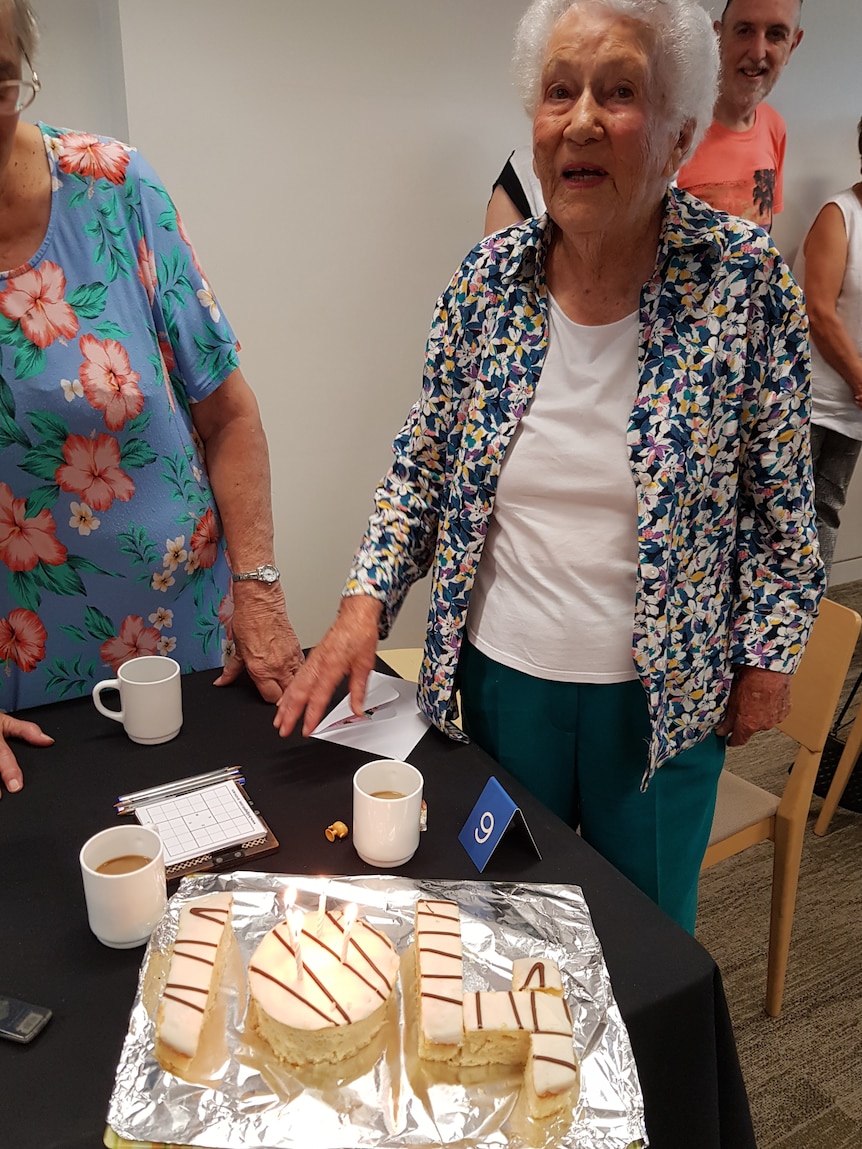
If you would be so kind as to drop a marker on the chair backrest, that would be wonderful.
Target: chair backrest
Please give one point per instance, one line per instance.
(816, 685)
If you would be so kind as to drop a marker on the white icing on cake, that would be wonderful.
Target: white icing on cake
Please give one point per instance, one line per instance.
(333, 1009)
(439, 974)
(529, 1025)
(192, 977)
(536, 974)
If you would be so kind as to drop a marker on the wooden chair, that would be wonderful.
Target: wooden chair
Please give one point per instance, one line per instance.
(745, 814)
(849, 757)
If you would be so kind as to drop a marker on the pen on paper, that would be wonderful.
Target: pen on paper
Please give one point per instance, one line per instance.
(351, 719)
(126, 803)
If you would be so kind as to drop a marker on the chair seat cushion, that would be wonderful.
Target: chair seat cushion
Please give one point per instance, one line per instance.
(739, 804)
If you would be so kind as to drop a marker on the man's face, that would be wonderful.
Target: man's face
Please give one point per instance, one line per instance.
(756, 39)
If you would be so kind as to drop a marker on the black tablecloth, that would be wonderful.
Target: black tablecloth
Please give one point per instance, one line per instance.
(55, 1092)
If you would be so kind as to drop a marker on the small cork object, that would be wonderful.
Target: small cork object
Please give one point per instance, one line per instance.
(336, 830)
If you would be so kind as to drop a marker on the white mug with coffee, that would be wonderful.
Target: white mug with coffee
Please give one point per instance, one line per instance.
(151, 701)
(123, 870)
(387, 809)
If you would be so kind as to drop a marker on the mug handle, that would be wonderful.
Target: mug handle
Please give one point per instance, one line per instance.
(108, 684)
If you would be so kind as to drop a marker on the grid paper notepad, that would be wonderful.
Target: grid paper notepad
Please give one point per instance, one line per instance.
(201, 821)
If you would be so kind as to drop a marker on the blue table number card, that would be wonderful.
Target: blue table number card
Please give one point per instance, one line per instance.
(489, 820)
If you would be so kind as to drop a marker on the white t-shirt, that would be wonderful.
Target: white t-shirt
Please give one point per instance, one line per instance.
(555, 590)
(832, 402)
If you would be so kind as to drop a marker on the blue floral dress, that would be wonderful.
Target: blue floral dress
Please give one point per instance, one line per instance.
(110, 543)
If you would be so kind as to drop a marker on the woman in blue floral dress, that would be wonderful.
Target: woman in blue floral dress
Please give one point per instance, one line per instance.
(608, 470)
(131, 447)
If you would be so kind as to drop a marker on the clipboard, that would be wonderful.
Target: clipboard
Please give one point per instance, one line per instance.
(206, 822)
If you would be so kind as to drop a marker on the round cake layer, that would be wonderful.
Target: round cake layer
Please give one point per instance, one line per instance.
(331, 1008)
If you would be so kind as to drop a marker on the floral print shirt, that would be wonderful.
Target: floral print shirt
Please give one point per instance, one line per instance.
(109, 535)
(728, 566)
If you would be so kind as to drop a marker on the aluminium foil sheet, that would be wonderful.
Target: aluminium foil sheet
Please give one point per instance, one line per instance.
(385, 1097)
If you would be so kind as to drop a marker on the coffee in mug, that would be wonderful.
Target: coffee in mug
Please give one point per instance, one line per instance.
(123, 871)
(124, 864)
(387, 809)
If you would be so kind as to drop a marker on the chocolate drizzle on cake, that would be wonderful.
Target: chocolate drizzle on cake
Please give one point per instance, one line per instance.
(556, 1060)
(537, 968)
(192, 978)
(295, 993)
(215, 914)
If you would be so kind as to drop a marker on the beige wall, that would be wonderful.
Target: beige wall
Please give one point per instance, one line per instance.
(332, 161)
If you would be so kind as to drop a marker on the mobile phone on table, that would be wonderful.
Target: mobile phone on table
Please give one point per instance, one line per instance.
(21, 1020)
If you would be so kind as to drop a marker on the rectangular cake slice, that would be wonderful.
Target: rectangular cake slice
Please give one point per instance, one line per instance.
(439, 981)
(192, 981)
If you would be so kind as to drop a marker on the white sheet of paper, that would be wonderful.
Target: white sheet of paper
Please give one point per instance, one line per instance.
(392, 731)
(201, 821)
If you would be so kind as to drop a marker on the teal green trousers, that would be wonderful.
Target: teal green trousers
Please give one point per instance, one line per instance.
(581, 748)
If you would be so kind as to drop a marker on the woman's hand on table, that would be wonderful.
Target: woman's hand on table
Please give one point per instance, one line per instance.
(266, 643)
(349, 647)
(11, 727)
(759, 700)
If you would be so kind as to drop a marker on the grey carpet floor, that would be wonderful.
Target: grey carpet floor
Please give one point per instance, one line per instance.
(804, 1069)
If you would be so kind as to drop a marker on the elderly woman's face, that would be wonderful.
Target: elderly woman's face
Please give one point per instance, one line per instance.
(601, 151)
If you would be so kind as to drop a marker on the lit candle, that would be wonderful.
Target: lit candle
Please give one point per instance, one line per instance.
(288, 898)
(347, 921)
(321, 912)
(297, 921)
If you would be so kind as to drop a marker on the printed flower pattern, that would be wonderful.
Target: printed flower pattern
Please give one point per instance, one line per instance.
(134, 640)
(110, 385)
(93, 157)
(176, 552)
(22, 639)
(35, 300)
(72, 389)
(208, 300)
(147, 270)
(728, 568)
(92, 470)
(25, 541)
(204, 541)
(161, 618)
(83, 520)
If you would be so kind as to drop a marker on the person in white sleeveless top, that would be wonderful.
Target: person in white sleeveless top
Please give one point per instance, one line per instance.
(829, 267)
(608, 466)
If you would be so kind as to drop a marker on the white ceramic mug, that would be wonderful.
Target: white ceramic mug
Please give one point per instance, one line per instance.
(124, 908)
(387, 808)
(151, 700)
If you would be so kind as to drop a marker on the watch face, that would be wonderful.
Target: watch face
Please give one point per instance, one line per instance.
(268, 573)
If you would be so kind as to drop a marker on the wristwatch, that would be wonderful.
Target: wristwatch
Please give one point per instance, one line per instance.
(265, 573)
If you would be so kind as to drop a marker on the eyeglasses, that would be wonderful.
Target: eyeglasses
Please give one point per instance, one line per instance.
(15, 95)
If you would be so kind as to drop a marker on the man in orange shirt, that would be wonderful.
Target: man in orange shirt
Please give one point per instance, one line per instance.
(739, 165)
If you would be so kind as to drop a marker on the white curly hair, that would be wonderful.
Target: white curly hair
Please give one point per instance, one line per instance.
(685, 55)
(25, 27)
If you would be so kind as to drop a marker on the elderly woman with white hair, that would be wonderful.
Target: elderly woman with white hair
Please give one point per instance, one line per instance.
(608, 465)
